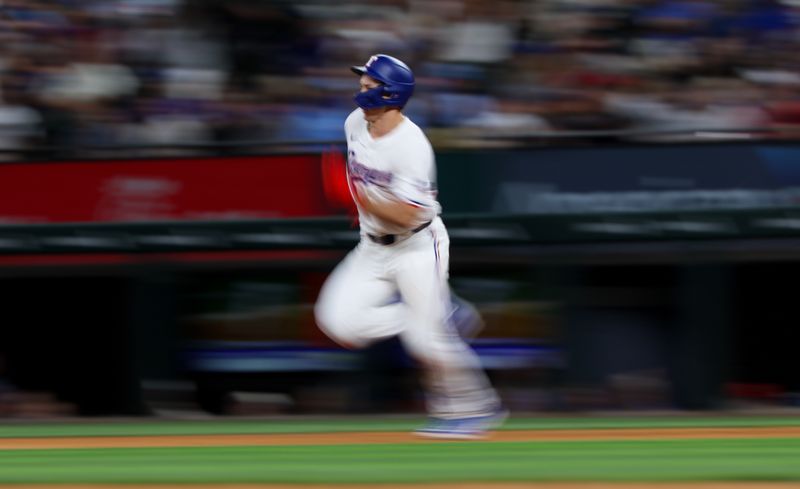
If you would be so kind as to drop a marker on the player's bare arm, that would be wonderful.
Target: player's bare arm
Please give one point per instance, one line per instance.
(389, 209)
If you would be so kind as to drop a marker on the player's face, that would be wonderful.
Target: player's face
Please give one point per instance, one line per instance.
(368, 83)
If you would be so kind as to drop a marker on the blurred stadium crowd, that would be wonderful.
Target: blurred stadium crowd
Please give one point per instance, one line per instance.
(84, 73)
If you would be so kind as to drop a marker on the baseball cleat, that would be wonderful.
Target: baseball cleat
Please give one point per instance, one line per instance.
(470, 428)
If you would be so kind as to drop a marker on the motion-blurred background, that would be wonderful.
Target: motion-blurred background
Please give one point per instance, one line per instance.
(621, 181)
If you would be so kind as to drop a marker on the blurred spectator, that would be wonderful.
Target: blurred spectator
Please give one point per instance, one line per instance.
(711, 107)
(195, 72)
(20, 124)
(505, 118)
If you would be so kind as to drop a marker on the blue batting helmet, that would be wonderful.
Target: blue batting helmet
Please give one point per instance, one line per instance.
(397, 82)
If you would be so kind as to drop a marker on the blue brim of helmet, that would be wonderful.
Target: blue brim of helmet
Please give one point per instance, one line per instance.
(358, 70)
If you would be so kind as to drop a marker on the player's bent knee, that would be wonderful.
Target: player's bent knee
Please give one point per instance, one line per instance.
(335, 325)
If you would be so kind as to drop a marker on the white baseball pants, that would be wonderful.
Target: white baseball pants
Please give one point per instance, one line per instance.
(356, 307)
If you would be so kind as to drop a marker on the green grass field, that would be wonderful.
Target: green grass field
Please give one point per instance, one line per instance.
(766, 459)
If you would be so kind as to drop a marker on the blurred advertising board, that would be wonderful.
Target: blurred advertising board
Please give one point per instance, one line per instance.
(524, 198)
(621, 179)
(539, 181)
(152, 190)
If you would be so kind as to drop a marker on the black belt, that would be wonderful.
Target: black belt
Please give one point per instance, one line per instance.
(387, 239)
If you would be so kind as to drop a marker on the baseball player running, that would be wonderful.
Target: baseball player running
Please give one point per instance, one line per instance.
(404, 251)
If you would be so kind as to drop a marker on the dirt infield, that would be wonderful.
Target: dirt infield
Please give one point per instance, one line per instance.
(460, 485)
(388, 437)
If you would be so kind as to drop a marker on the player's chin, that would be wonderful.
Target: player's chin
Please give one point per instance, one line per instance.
(372, 114)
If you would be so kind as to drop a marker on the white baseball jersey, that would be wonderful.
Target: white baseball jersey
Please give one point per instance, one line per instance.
(400, 164)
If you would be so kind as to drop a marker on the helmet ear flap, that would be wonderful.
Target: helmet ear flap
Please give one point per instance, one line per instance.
(390, 91)
(394, 95)
(373, 98)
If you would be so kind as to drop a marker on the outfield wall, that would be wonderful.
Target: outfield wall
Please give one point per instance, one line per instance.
(609, 276)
